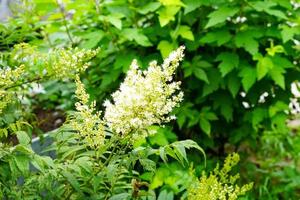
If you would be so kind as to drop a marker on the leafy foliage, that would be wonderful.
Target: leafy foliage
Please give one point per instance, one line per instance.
(241, 59)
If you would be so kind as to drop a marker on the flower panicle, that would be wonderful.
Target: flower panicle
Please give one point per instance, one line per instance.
(145, 97)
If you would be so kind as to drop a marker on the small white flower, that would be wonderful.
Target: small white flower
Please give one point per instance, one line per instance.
(145, 97)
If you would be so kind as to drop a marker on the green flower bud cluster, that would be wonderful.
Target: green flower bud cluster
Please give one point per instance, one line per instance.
(86, 121)
(219, 185)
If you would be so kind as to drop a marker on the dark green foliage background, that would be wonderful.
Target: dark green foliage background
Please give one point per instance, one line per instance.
(228, 64)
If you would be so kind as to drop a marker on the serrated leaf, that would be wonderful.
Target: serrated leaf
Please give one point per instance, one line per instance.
(180, 152)
(263, 67)
(167, 14)
(229, 61)
(148, 165)
(214, 78)
(200, 74)
(221, 15)
(115, 20)
(248, 76)
(185, 32)
(150, 7)
(72, 180)
(220, 36)
(288, 33)
(205, 125)
(23, 137)
(233, 84)
(191, 5)
(163, 154)
(22, 162)
(246, 39)
(165, 48)
(134, 34)
(276, 74)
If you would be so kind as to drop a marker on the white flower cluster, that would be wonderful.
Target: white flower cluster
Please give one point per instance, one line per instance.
(145, 97)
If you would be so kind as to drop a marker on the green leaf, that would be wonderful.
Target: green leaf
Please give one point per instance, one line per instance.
(200, 74)
(22, 162)
(221, 15)
(150, 7)
(92, 39)
(165, 48)
(246, 39)
(72, 180)
(229, 61)
(266, 6)
(185, 32)
(148, 165)
(115, 20)
(220, 36)
(276, 74)
(167, 14)
(214, 78)
(171, 2)
(120, 196)
(133, 34)
(23, 137)
(248, 75)
(263, 66)
(205, 125)
(233, 84)
(258, 115)
(288, 33)
(191, 5)
(164, 195)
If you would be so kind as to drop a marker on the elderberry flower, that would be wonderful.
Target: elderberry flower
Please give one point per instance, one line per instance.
(145, 97)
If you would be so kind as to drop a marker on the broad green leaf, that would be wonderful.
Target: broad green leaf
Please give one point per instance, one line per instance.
(185, 32)
(268, 7)
(92, 39)
(221, 15)
(205, 125)
(191, 5)
(167, 14)
(248, 75)
(165, 48)
(171, 2)
(200, 74)
(115, 20)
(288, 33)
(150, 7)
(233, 84)
(22, 162)
(134, 34)
(276, 74)
(229, 61)
(263, 67)
(214, 78)
(23, 137)
(220, 36)
(246, 39)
